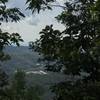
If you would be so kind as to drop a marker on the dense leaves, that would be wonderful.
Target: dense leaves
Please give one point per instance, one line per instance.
(77, 91)
(10, 14)
(3, 1)
(49, 45)
(78, 44)
(76, 49)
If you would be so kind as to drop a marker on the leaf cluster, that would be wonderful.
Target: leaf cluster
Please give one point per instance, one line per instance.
(37, 5)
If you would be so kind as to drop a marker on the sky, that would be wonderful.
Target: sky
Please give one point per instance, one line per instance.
(30, 26)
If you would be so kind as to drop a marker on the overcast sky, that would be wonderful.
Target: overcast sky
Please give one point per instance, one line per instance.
(31, 25)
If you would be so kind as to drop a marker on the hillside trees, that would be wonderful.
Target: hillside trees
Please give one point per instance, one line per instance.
(74, 50)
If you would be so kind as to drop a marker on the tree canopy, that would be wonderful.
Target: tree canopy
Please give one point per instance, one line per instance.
(75, 50)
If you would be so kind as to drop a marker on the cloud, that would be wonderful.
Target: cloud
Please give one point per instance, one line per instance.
(32, 20)
(61, 1)
(19, 4)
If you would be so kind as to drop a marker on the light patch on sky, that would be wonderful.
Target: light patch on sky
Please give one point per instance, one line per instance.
(32, 24)
(61, 2)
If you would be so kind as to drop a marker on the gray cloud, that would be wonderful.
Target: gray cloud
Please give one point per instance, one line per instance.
(32, 20)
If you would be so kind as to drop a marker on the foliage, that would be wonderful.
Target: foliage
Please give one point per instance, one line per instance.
(76, 49)
(37, 5)
(48, 45)
(6, 39)
(8, 14)
(77, 91)
(3, 83)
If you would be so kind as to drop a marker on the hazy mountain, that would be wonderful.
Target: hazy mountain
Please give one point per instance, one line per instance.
(21, 58)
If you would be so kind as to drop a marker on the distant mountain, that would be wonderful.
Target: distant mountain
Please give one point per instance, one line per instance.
(21, 58)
